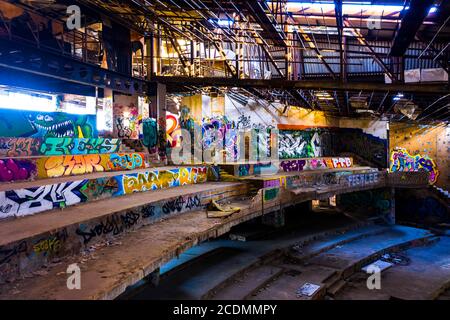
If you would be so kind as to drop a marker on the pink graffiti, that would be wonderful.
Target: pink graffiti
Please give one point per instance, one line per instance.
(12, 170)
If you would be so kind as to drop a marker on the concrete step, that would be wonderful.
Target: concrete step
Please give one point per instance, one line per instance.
(244, 286)
(285, 287)
(303, 253)
(33, 241)
(342, 261)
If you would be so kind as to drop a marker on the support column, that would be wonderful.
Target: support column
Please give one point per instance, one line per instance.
(161, 112)
(274, 219)
(391, 215)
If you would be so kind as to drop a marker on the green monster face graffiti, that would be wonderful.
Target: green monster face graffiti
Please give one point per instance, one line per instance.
(62, 125)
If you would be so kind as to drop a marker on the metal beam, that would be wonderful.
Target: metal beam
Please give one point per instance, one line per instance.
(411, 23)
(268, 25)
(22, 57)
(340, 28)
(307, 85)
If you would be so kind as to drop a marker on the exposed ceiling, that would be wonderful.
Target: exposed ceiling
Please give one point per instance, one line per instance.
(344, 42)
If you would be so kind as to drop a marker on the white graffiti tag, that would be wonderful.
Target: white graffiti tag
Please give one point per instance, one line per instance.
(23, 202)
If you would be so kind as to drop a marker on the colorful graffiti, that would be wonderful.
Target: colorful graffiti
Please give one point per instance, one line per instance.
(19, 123)
(270, 194)
(153, 180)
(19, 147)
(173, 130)
(218, 132)
(300, 144)
(28, 201)
(402, 161)
(126, 161)
(244, 170)
(16, 170)
(67, 146)
(126, 117)
(315, 163)
(150, 132)
(58, 166)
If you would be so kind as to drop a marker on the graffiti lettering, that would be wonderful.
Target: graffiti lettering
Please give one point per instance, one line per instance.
(72, 165)
(153, 180)
(315, 163)
(125, 161)
(114, 225)
(23, 202)
(74, 146)
(52, 244)
(402, 161)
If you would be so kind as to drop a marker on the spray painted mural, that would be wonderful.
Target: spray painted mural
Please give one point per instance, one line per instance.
(19, 123)
(21, 202)
(218, 132)
(402, 161)
(24, 147)
(315, 163)
(160, 179)
(16, 170)
(301, 144)
(126, 117)
(58, 166)
(32, 200)
(150, 132)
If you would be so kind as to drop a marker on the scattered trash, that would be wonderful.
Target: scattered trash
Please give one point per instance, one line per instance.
(380, 264)
(396, 258)
(308, 289)
(215, 210)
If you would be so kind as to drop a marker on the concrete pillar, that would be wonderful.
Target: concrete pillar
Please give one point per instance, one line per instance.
(274, 219)
(391, 214)
(161, 112)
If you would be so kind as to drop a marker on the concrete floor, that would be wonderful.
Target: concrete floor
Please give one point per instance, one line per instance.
(205, 271)
(228, 257)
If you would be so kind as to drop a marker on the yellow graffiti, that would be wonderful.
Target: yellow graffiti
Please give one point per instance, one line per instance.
(153, 180)
(47, 246)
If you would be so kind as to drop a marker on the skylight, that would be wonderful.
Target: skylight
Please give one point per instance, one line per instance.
(349, 8)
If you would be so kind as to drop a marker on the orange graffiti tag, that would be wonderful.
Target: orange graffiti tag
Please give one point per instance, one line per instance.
(72, 165)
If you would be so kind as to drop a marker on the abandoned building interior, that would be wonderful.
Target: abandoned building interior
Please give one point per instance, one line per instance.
(224, 149)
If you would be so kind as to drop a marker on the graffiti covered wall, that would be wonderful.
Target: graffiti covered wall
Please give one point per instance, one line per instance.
(402, 161)
(126, 117)
(20, 123)
(58, 166)
(22, 202)
(160, 179)
(28, 201)
(24, 147)
(315, 163)
(414, 147)
(303, 144)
